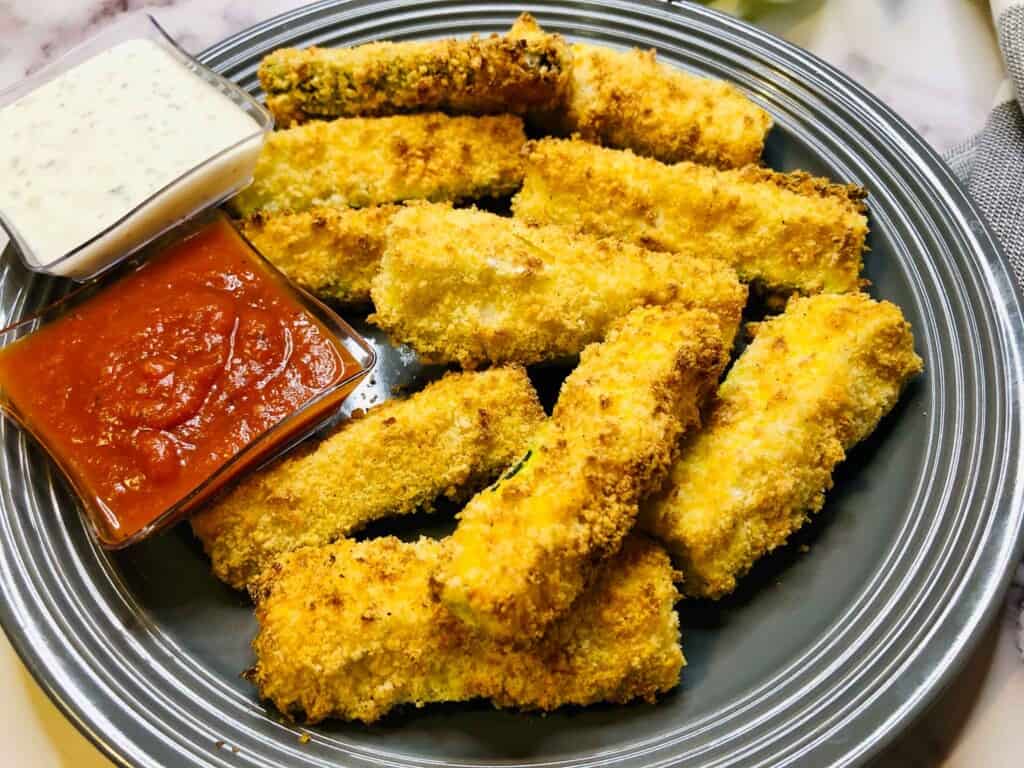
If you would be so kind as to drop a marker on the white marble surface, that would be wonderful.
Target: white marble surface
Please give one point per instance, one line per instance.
(934, 61)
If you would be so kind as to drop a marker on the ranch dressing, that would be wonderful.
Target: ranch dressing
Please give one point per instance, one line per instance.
(88, 148)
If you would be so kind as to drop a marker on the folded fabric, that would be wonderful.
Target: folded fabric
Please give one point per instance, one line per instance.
(991, 165)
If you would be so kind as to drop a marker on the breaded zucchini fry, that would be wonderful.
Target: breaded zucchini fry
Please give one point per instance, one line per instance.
(351, 631)
(628, 100)
(468, 286)
(814, 382)
(526, 547)
(362, 161)
(523, 70)
(331, 252)
(450, 439)
(786, 231)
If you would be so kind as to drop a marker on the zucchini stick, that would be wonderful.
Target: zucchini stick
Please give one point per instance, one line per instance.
(363, 161)
(350, 631)
(784, 231)
(814, 382)
(525, 548)
(523, 70)
(331, 252)
(466, 286)
(448, 440)
(629, 100)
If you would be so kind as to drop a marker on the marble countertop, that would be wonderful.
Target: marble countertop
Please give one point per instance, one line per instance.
(934, 61)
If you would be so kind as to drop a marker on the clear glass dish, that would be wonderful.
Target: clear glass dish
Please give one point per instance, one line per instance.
(202, 186)
(284, 434)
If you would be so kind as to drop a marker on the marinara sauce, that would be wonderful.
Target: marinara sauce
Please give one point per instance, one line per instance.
(148, 387)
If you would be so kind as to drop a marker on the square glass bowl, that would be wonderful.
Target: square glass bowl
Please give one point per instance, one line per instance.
(277, 439)
(203, 185)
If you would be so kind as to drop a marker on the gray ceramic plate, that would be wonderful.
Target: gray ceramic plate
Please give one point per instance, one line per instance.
(818, 659)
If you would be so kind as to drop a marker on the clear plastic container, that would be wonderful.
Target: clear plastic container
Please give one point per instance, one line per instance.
(284, 434)
(202, 185)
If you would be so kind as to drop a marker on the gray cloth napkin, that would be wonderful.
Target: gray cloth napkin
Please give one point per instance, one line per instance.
(991, 165)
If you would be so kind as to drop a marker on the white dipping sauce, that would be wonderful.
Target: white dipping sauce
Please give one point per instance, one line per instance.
(83, 150)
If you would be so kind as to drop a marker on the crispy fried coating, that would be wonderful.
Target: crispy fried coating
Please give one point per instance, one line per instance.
(629, 100)
(814, 382)
(363, 161)
(351, 631)
(526, 547)
(523, 70)
(785, 231)
(450, 439)
(331, 252)
(471, 287)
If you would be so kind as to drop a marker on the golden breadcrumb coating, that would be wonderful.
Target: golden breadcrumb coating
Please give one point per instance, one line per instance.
(785, 231)
(814, 382)
(526, 69)
(351, 631)
(471, 287)
(629, 100)
(450, 439)
(331, 252)
(525, 548)
(362, 161)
